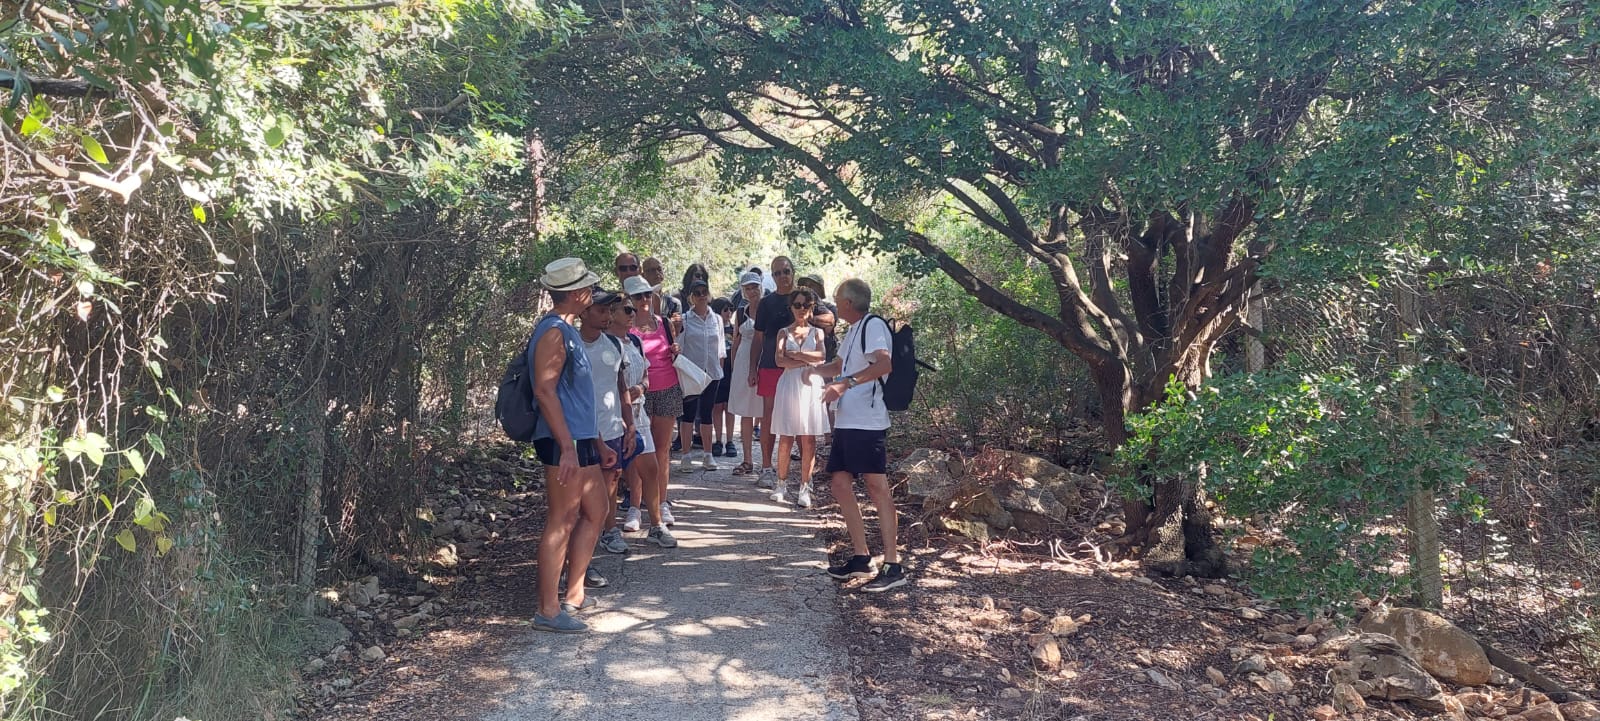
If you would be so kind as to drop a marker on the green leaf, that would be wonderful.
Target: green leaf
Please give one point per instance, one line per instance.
(155, 368)
(50, 516)
(30, 126)
(105, 500)
(163, 544)
(199, 212)
(127, 541)
(274, 136)
(92, 148)
(135, 460)
(30, 593)
(142, 508)
(156, 444)
(95, 446)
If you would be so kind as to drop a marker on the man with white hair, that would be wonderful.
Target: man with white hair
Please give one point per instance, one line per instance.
(860, 435)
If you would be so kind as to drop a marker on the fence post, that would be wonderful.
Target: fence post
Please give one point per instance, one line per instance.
(1421, 523)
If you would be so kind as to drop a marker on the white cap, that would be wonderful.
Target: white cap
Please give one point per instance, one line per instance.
(750, 277)
(635, 285)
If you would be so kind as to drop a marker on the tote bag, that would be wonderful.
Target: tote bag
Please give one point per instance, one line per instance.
(690, 377)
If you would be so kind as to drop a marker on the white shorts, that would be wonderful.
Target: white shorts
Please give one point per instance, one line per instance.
(642, 423)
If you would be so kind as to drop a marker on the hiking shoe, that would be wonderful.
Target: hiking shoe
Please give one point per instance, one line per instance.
(611, 541)
(893, 575)
(661, 537)
(856, 567)
(593, 579)
(803, 499)
(632, 524)
(767, 479)
(777, 495)
(588, 603)
(716, 449)
(728, 451)
(562, 623)
(666, 516)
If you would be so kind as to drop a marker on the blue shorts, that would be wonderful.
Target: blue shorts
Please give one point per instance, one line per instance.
(626, 459)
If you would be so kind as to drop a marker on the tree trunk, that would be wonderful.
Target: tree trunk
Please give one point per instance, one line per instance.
(1421, 523)
(313, 417)
(1171, 525)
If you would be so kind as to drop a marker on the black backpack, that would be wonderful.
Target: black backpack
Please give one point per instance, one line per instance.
(514, 405)
(900, 386)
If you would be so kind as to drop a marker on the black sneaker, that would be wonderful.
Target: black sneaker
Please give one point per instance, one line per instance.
(728, 451)
(856, 567)
(893, 575)
(716, 449)
(677, 445)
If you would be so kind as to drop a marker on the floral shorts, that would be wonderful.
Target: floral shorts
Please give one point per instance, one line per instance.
(664, 403)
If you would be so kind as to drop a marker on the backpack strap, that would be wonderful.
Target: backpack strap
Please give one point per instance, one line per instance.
(880, 384)
(666, 326)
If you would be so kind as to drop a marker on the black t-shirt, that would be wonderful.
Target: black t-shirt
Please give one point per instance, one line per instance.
(772, 316)
(831, 336)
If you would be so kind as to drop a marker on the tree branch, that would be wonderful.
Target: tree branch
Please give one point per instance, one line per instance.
(54, 87)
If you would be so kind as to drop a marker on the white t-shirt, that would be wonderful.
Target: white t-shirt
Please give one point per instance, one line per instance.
(633, 374)
(605, 362)
(862, 407)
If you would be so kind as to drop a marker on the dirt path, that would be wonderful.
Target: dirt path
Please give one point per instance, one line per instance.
(733, 624)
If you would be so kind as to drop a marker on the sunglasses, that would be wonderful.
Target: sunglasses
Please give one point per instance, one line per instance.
(701, 291)
(641, 296)
(627, 268)
(785, 271)
(630, 310)
(806, 306)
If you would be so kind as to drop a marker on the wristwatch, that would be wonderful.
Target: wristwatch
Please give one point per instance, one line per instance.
(851, 382)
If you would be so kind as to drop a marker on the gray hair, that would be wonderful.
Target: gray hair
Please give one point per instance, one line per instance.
(857, 292)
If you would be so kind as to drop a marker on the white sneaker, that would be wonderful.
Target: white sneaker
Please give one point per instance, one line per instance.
(666, 515)
(767, 479)
(632, 524)
(803, 500)
(777, 495)
(710, 463)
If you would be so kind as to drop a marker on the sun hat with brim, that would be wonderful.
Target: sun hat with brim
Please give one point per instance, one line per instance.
(568, 274)
(635, 285)
(750, 277)
(814, 282)
(606, 297)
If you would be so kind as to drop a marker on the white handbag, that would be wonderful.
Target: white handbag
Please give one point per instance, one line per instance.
(690, 377)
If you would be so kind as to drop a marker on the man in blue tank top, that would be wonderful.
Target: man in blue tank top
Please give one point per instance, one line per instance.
(568, 443)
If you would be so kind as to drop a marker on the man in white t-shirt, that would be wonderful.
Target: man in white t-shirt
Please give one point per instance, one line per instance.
(860, 435)
(612, 411)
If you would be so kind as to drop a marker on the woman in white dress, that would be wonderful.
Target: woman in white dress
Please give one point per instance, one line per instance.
(797, 410)
(742, 398)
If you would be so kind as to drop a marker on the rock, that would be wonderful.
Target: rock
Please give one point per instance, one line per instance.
(1324, 713)
(1047, 655)
(1215, 589)
(1254, 663)
(1379, 667)
(373, 653)
(1274, 637)
(1162, 680)
(1274, 682)
(341, 684)
(407, 622)
(471, 549)
(1580, 711)
(1011, 693)
(445, 556)
(1216, 676)
(323, 634)
(1305, 640)
(1250, 614)
(1446, 651)
(1039, 494)
(445, 529)
(1472, 700)
(415, 601)
(315, 665)
(1029, 615)
(975, 530)
(1547, 711)
(1347, 699)
(362, 592)
(931, 475)
(1063, 626)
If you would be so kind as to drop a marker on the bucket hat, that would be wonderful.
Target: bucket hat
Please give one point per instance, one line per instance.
(568, 274)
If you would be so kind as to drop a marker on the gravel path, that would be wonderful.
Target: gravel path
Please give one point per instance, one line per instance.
(738, 623)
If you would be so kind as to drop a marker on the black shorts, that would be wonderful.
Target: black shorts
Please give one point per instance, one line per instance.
(546, 448)
(724, 385)
(858, 452)
(697, 409)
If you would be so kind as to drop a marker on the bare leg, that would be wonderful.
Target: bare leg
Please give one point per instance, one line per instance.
(585, 533)
(705, 437)
(808, 459)
(767, 439)
(747, 427)
(888, 517)
(560, 520)
(661, 430)
(649, 498)
(844, 492)
(784, 445)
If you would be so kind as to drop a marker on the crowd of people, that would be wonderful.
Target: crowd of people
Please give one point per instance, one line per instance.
(605, 370)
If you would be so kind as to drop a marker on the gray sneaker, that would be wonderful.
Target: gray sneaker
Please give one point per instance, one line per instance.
(562, 623)
(611, 541)
(661, 537)
(767, 479)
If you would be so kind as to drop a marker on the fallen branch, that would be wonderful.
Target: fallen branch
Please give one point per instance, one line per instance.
(1525, 672)
(436, 111)
(341, 8)
(55, 87)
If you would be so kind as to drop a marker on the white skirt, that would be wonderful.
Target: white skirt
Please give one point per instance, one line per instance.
(742, 398)
(797, 409)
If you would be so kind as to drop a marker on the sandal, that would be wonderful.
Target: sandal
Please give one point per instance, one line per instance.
(743, 469)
